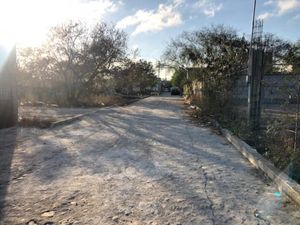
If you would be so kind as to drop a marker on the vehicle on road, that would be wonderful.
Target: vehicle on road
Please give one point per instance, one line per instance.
(175, 91)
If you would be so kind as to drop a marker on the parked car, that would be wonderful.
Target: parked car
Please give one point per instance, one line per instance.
(175, 91)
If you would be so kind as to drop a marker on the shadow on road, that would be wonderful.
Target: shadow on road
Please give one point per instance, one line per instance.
(7, 148)
(153, 139)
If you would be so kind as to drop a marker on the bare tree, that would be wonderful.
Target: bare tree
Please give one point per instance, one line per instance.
(76, 60)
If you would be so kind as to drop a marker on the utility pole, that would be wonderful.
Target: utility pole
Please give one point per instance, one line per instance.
(255, 73)
(253, 23)
(254, 88)
(8, 95)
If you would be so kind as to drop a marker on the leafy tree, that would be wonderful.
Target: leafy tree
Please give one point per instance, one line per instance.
(138, 74)
(218, 52)
(179, 78)
(217, 48)
(279, 54)
(293, 57)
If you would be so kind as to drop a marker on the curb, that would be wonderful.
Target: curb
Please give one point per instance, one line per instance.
(285, 184)
(78, 117)
(71, 119)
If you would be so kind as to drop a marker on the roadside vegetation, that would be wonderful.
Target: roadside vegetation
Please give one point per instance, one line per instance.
(214, 58)
(81, 66)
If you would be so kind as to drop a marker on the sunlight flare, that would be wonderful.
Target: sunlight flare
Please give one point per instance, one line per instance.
(28, 22)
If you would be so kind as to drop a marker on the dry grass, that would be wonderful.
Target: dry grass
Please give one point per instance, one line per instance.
(44, 117)
(36, 122)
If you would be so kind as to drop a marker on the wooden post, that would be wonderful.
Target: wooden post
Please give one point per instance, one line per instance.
(255, 73)
(8, 95)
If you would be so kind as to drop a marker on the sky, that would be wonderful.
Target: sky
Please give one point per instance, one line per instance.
(151, 24)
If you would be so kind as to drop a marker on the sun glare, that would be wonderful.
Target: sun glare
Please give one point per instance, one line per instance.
(27, 22)
(19, 23)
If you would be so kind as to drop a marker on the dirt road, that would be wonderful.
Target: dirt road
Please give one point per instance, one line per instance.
(142, 164)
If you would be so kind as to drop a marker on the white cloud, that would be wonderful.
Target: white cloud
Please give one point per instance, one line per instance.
(209, 7)
(153, 20)
(285, 6)
(265, 16)
(270, 2)
(281, 7)
(31, 20)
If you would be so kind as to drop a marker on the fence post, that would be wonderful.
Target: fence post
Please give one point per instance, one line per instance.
(255, 70)
(8, 95)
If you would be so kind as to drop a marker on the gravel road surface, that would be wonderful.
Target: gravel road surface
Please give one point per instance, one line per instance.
(146, 163)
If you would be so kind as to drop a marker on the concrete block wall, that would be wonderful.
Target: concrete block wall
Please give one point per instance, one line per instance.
(8, 89)
(276, 88)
